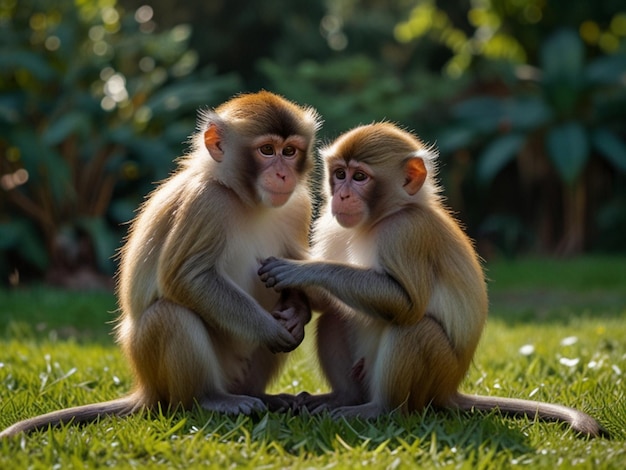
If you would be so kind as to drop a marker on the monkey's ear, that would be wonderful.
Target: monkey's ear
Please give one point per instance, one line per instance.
(213, 142)
(415, 175)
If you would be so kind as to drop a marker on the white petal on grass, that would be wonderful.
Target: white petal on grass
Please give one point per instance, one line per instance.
(527, 350)
(616, 369)
(569, 362)
(569, 341)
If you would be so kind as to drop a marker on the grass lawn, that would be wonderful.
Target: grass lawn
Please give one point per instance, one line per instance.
(557, 332)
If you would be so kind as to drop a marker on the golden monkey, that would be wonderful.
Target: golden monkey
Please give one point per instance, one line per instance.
(197, 325)
(400, 287)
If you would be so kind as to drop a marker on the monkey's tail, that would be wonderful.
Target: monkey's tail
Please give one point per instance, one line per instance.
(580, 422)
(78, 414)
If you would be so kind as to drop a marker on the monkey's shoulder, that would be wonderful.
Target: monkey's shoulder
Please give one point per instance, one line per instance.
(188, 195)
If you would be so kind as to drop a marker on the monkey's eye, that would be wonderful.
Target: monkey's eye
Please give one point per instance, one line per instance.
(359, 176)
(267, 150)
(340, 174)
(289, 151)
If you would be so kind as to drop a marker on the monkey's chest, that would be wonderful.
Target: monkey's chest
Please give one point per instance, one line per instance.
(242, 262)
(347, 248)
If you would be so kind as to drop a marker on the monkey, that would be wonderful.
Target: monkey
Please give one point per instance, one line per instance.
(400, 287)
(196, 323)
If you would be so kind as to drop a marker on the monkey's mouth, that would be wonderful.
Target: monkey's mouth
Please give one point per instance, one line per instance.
(348, 219)
(277, 198)
(278, 193)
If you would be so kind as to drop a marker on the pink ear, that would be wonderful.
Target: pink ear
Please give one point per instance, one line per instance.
(213, 142)
(415, 172)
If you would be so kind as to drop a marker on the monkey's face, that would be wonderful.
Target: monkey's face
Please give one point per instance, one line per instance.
(373, 171)
(351, 184)
(279, 161)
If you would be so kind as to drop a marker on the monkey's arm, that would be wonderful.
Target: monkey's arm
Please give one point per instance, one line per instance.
(367, 290)
(189, 274)
(223, 305)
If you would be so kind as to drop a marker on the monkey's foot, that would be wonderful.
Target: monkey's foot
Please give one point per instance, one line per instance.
(280, 402)
(315, 404)
(233, 404)
(366, 411)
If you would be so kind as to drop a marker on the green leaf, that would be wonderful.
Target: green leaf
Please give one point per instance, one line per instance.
(11, 107)
(526, 113)
(568, 149)
(155, 154)
(28, 143)
(9, 235)
(105, 241)
(454, 138)
(31, 61)
(59, 174)
(490, 114)
(607, 69)
(497, 155)
(562, 57)
(66, 125)
(32, 248)
(122, 210)
(611, 147)
(483, 113)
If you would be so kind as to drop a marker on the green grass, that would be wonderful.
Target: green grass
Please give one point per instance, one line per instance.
(56, 351)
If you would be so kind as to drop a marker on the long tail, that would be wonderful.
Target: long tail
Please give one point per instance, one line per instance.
(78, 414)
(579, 421)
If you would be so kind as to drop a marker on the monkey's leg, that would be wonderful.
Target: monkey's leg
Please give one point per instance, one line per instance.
(263, 367)
(176, 361)
(339, 365)
(415, 366)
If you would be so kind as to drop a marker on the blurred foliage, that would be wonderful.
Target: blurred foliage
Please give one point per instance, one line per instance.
(562, 123)
(548, 92)
(92, 108)
(490, 83)
(356, 90)
(509, 30)
(524, 99)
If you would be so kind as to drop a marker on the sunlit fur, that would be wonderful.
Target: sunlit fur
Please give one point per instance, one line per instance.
(415, 241)
(196, 323)
(402, 295)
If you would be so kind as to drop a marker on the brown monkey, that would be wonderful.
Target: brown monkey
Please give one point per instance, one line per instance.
(195, 319)
(403, 296)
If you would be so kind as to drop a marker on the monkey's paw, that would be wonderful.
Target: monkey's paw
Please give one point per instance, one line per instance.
(278, 273)
(233, 404)
(369, 410)
(292, 322)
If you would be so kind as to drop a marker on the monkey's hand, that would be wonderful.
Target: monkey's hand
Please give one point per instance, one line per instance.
(291, 319)
(280, 273)
(282, 340)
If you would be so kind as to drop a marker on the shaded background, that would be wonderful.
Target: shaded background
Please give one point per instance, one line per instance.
(525, 100)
